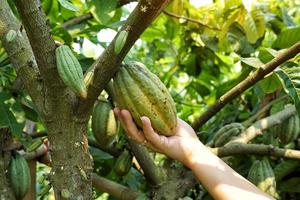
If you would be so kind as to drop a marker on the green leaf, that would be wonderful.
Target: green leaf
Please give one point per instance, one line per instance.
(68, 5)
(7, 119)
(270, 83)
(290, 185)
(102, 10)
(259, 19)
(290, 79)
(249, 26)
(267, 54)
(287, 38)
(253, 62)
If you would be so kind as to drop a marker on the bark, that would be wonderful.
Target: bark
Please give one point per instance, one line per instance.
(5, 190)
(116, 190)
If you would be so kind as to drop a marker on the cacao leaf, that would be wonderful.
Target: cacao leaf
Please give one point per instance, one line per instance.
(68, 5)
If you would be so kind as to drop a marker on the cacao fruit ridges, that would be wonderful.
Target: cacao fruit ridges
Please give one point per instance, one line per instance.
(123, 163)
(69, 70)
(226, 133)
(262, 175)
(104, 124)
(289, 130)
(19, 176)
(143, 94)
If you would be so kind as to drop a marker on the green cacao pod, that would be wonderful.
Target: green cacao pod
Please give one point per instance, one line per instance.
(261, 174)
(226, 133)
(285, 167)
(19, 176)
(143, 94)
(70, 71)
(120, 41)
(105, 126)
(289, 130)
(123, 163)
(88, 77)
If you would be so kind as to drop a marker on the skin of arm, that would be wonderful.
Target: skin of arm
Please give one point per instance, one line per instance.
(217, 177)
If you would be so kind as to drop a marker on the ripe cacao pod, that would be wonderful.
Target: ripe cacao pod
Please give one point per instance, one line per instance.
(104, 124)
(120, 41)
(226, 133)
(70, 71)
(285, 168)
(261, 174)
(123, 163)
(143, 94)
(19, 176)
(289, 130)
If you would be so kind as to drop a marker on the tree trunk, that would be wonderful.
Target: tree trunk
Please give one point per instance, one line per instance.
(71, 162)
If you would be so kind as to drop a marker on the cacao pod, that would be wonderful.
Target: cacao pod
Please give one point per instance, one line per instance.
(19, 176)
(104, 124)
(69, 70)
(289, 130)
(123, 163)
(143, 94)
(120, 41)
(88, 77)
(226, 133)
(285, 168)
(261, 174)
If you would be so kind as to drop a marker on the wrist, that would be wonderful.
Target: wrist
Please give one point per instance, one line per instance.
(198, 153)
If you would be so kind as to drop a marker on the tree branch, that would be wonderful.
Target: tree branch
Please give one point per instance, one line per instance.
(20, 53)
(259, 126)
(43, 46)
(108, 63)
(156, 175)
(190, 20)
(262, 110)
(117, 190)
(253, 78)
(255, 149)
(77, 20)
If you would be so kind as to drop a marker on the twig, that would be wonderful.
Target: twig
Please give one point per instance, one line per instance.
(111, 150)
(77, 20)
(255, 149)
(253, 78)
(155, 174)
(190, 19)
(115, 189)
(264, 109)
(259, 126)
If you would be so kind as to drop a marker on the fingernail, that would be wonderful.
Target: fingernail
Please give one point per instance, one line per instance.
(143, 119)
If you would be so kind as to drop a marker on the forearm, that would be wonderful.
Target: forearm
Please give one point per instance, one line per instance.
(219, 179)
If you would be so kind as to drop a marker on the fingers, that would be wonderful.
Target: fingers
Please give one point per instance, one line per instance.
(128, 124)
(150, 134)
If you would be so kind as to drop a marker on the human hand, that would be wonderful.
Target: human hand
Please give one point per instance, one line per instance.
(180, 146)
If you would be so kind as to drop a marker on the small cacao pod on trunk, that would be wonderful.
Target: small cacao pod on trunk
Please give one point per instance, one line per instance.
(123, 163)
(143, 94)
(69, 70)
(19, 176)
(104, 123)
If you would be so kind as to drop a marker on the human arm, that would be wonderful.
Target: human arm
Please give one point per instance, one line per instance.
(217, 177)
